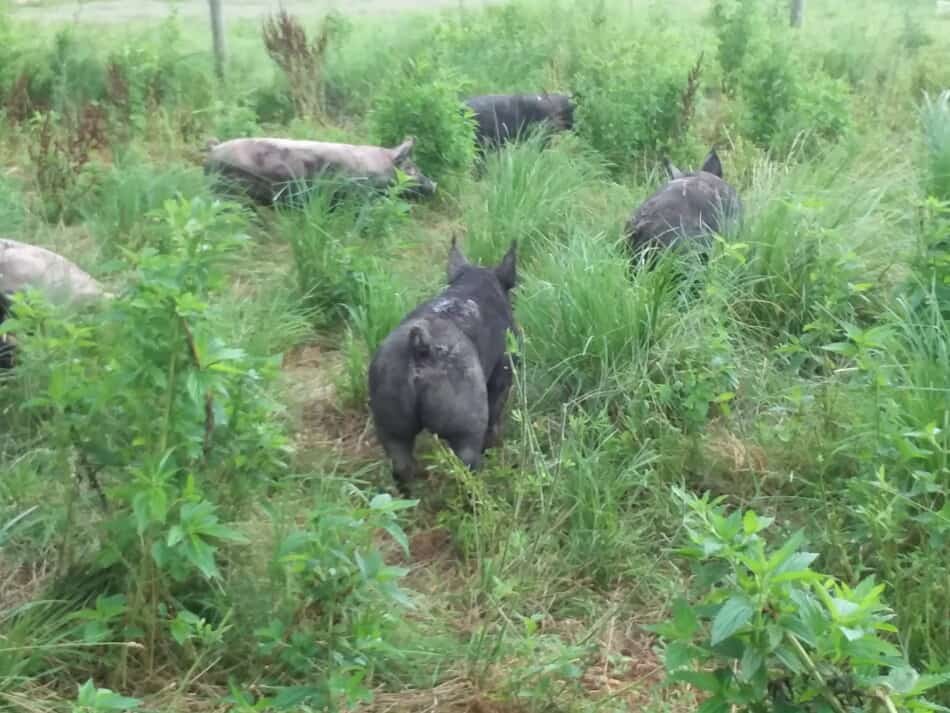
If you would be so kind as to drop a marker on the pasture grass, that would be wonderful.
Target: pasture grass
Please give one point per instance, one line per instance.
(249, 549)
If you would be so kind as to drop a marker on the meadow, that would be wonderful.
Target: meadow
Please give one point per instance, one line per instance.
(723, 487)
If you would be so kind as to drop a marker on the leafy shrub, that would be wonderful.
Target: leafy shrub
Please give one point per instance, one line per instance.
(154, 71)
(339, 603)
(776, 634)
(499, 48)
(62, 76)
(158, 411)
(273, 104)
(233, 120)
(630, 97)
(770, 85)
(740, 27)
(423, 101)
(783, 100)
(821, 112)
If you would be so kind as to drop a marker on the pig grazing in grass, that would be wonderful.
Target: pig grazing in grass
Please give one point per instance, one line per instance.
(688, 207)
(24, 266)
(268, 169)
(445, 367)
(503, 117)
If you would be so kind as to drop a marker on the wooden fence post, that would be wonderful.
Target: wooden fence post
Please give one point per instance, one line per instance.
(798, 12)
(217, 34)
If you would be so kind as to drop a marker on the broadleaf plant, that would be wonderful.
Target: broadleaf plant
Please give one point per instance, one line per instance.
(769, 633)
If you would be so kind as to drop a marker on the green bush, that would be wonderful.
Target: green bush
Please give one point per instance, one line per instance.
(629, 97)
(821, 112)
(770, 84)
(786, 99)
(59, 76)
(777, 634)
(423, 101)
(173, 426)
(740, 27)
(337, 603)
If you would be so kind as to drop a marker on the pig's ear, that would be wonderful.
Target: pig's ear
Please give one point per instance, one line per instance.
(507, 270)
(672, 170)
(457, 261)
(403, 151)
(712, 164)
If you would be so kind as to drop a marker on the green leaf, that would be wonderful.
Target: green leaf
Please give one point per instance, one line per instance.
(789, 658)
(380, 501)
(928, 681)
(902, 679)
(851, 634)
(398, 535)
(175, 535)
(787, 550)
(845, 348)
(750, 522)
(102, 699)
(716, 704)
(685, 620)
(677, 655)
(700, 679)
(733, 615)
(752, 660)
(794, 565)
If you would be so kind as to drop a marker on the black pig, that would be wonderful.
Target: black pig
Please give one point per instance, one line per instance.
(503, 117)
(445, 367)
(689, 206)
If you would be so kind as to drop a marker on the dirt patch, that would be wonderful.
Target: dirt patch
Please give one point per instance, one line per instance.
(21, 582)
(455, 696)
(323, 423)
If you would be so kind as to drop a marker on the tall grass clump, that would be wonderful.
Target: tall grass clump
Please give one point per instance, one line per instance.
(13, 211)
(899, 413)
(120, 210)
(590, 327)
(935, 118)
(534, 195)
(333, 229)
(812, 245)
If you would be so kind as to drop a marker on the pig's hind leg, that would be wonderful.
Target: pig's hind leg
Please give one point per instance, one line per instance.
(399, 450)
(499, 386)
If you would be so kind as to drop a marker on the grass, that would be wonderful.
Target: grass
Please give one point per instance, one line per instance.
(249, 548)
